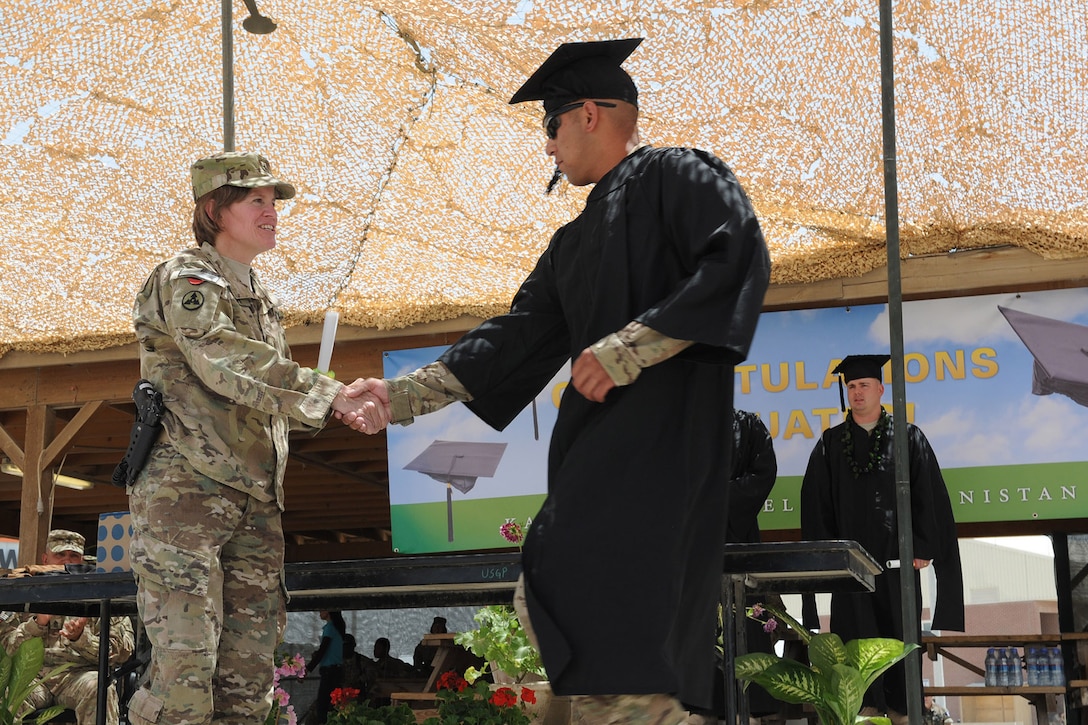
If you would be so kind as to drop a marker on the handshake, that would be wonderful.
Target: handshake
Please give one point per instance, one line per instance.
(363, 405)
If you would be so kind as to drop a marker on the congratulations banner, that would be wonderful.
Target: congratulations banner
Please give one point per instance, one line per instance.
(998, 383)
(989, 380)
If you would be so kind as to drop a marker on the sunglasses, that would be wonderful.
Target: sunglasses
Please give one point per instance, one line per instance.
(551, 119)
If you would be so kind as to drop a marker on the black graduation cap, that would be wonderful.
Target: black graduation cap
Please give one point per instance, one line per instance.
(582, 70)
(853, 367)
(1060, 350)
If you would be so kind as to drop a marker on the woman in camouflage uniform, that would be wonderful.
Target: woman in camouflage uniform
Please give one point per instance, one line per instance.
(207, 546)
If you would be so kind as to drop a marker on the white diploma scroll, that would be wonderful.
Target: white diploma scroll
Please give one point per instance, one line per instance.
(328, 336)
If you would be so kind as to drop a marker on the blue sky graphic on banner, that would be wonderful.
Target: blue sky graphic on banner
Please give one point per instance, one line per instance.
(418, 502)
(969, 387)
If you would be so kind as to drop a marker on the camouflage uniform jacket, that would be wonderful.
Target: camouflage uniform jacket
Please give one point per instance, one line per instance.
(82, 652)
(215, 348)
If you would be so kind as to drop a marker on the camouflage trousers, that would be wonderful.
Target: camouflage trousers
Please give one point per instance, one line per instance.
(659, 709)
(208, 561)
(76, 690)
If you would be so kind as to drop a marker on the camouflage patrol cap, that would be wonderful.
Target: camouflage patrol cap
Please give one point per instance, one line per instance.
(62, 540)
(234, 168)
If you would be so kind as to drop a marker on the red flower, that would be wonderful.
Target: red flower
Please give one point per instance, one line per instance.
(343, 695)
(528, 695)
(450, 680)
(504, 697)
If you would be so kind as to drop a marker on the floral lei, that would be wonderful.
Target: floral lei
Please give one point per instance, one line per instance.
(876, 444)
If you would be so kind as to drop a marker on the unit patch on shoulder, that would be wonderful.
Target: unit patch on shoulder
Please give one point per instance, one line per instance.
(193, 300)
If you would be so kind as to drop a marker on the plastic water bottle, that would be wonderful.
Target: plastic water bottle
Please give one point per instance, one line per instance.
(1056, 668)
(1034, 679)
(1004, 669)
(1016, 675)
(991, 667)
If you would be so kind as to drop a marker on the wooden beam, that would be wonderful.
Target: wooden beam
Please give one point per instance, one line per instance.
(957, 274)
(11, 449)
(54, 449)
(34, 524)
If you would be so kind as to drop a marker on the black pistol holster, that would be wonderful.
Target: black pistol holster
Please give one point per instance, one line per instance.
(145, 432)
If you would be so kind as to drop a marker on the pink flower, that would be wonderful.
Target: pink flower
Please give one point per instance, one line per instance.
(511, 531)
(757, 610)
(770, 625)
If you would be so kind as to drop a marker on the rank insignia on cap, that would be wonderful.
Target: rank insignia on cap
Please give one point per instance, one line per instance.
(193, 300)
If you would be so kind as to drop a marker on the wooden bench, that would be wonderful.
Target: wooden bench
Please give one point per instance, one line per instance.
(1045, 699)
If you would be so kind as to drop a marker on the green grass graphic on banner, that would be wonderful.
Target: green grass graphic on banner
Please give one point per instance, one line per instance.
(424, 527)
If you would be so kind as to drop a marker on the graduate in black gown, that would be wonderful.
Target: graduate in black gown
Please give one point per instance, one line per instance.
(755, 469)
(653, 292)
(849, 493)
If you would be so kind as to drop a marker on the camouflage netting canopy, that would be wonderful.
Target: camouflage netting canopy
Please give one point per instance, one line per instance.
(421, 188)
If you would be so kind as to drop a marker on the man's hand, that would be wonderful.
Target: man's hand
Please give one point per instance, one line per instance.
(73, 628)
(921, 563)
(590, 378)
(364, 405)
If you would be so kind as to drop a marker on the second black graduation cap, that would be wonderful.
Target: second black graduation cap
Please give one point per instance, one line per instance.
(1060, 350)
(582, 70)
(853, 367)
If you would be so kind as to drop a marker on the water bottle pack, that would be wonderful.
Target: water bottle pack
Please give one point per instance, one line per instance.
(1044, 666)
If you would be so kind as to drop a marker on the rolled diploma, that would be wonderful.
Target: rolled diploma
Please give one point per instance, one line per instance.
(328, 336)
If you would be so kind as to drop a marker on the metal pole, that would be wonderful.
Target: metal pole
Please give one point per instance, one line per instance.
(729, 649)
(907, 576)
(228, 77)
(104, 614)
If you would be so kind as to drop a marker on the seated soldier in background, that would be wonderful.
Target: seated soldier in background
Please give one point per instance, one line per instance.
(424, 653)
(359, 670)
(385, 664)
(387, 667)
(72, 640)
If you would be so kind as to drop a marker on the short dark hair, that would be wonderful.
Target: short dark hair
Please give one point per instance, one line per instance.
(205, 225)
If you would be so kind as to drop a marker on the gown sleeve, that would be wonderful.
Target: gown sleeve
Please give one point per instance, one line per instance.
(505, 361)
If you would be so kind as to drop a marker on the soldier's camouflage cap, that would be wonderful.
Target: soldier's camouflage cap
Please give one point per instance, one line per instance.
(62, 540)
(235, 168)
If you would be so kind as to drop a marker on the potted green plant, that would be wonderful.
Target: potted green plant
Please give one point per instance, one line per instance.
(19, 677)
(837, 678)
(501, 641)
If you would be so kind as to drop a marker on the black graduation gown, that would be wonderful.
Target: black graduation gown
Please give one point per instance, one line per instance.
(622, 564)
(836, 504)
(755, 468)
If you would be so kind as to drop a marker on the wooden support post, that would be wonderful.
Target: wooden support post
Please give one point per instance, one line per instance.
(34, 525)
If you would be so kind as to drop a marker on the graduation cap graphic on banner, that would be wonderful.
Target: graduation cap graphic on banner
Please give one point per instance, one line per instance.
(457, 464)
(1060, 350)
